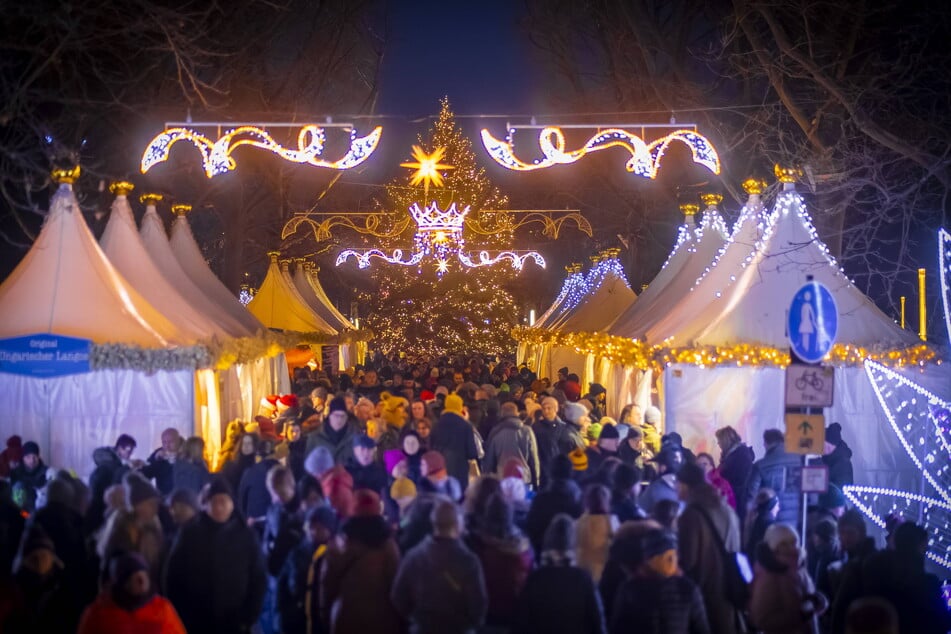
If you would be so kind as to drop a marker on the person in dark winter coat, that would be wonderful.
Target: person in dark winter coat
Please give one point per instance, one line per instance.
(11, 456)
(625, 557)
(358, 573)
(158, 467)
(367, 472)
(552, 436)
(608, 443)
(283, 530)
(899, 576)
(253, 498)
(765, 509)
(736, 463)
(657, 596)
(846, 577)
(558, 596)
(560, 495)
(242, 458)
(775, 471)
(215, 575)
(625, 488)
(439, 587)
(839, 460)
(336, 434)
(664, 487)
(511, 438)
(31, 471)
(700, 550)
(110, 468)
(506, 558)
(12, 524)
(298, 586)
(296, 449)
(454, 438)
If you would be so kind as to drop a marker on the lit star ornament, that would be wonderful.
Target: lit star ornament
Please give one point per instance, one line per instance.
(427, 168)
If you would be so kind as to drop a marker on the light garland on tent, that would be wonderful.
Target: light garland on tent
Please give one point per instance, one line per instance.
(752, 211)
(645, 158)
(944, 268)
(605, 264)
(631, 352)
(217, 159)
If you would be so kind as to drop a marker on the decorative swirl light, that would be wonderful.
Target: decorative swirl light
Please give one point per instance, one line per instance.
(363, 257)
(517, 260)
(217, 159)
(645, 157)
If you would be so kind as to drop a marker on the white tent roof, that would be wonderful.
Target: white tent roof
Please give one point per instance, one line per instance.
(608, 294)
(696, 247)
(572, 290)
(156, 244)
(191, 260)
(67, 286)
(278, 305)
(748, 303)
(307, 284)
(286, 272)
(122, 245)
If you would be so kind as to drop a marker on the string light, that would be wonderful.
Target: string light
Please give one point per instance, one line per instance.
(245, 295)
(568, 297)
(878, 503)
(645, 158)
(944, 268)
(217, 159)
(911, 410)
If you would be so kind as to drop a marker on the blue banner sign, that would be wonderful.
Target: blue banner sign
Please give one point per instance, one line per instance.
(44, 355)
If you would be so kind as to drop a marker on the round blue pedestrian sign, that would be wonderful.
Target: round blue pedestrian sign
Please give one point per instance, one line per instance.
(813, 322)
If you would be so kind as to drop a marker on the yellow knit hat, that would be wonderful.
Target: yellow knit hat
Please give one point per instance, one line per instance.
(579, 459)
(402, 488)
(453, 404)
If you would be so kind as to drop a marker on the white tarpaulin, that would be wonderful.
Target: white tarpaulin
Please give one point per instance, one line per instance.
(698, 401)
(71, 416)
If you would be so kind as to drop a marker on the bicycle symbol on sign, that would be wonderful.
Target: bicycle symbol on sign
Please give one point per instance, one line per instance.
(812, 379)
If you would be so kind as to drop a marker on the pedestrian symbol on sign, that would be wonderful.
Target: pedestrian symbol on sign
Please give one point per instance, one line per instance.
(813, 322)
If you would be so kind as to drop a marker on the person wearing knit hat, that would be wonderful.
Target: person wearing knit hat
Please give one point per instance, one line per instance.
(31, 472)
(336, 433)
(839, 459)
(433, 469)
(403, 492)
(603, 444)
(183, 505)
(572, 391)
(593, 433)
(367, 472)
(668, 463)
(130, 602)
(358, 574)
(579, 461)
(455, 438)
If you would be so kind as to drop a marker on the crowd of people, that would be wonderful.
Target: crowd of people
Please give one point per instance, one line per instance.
(454, 495)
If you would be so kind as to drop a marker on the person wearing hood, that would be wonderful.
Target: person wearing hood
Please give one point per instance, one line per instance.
(506, 557)
(510, 438)
(11, 456)
(839, 460)
(706, 528)
(454, 437)
(771, 471)
(110, 468)
(38, 599)
(560, 495)
(736, 464)
(130, 602)
(215, 576)
(664, 487)
(136, 528)
(597, 395)
(783, 599)
(359, 571)
(559, 596)
(440, 586)
(336, 434)
(31, 472)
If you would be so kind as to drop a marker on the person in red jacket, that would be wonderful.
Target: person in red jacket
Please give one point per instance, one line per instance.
(129, 604)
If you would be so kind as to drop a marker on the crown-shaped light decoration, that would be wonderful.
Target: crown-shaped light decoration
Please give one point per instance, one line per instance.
(438, 231)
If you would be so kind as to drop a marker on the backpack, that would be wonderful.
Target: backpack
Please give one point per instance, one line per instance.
(737, 573)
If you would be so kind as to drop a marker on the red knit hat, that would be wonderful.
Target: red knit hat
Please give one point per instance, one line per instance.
(427, 395)
(434, 462)
(366, 503)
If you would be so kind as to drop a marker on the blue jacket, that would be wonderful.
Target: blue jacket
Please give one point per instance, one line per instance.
(779, 471)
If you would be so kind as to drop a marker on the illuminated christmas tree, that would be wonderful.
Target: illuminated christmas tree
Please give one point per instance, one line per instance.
(448, 299)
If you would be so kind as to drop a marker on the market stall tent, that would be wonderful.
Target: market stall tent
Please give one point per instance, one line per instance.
(308, 285)
(571, 291)
(65, 285)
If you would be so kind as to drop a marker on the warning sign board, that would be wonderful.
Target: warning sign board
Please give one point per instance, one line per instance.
(805, 433)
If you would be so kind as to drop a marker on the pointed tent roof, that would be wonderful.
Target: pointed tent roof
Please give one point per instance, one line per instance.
(189, 257)
(307, 299)
(608, 294)
(752, 309)
(278, 305)
(695, 249)
(311, 270)
(572, 290)
(310, 289)
(67, 286)
(156, 244)
(718, 272)
(121, 243)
